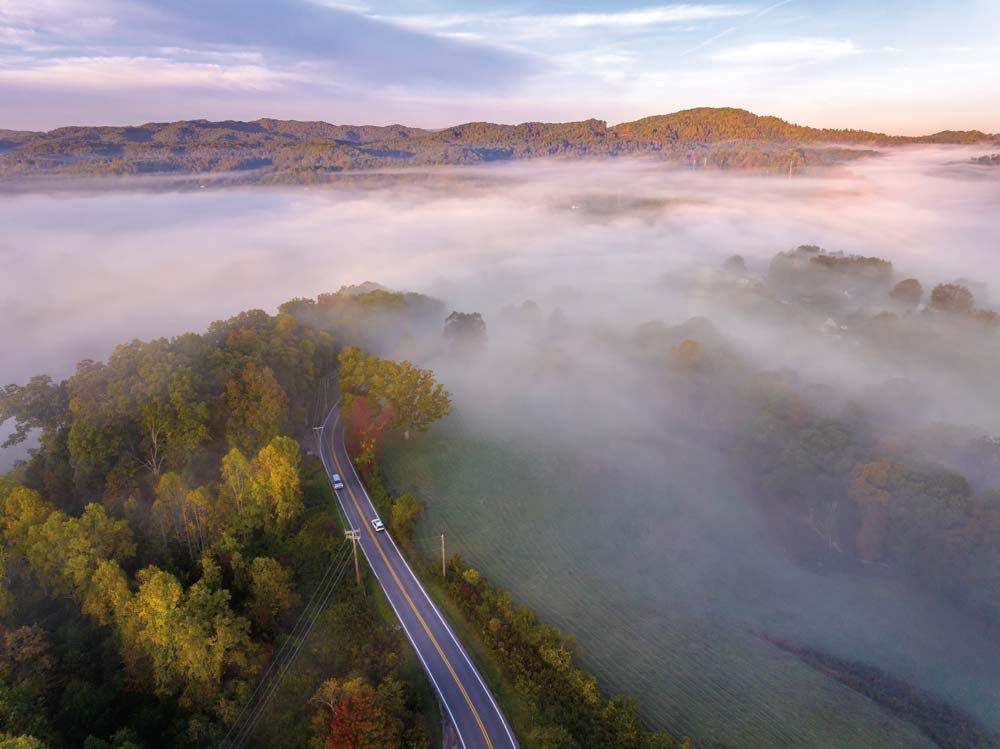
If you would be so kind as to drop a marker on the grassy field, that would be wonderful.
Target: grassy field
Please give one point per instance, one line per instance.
(665, 589)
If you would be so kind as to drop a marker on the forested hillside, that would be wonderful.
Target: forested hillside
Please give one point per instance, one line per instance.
(279, 150)
(163, 537)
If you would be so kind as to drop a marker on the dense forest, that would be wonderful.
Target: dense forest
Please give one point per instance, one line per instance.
(289, 151)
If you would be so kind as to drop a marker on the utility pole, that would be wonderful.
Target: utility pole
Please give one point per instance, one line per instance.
(355, 536)
(444, 574)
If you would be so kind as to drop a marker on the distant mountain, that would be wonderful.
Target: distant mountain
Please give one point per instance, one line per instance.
(296, 151)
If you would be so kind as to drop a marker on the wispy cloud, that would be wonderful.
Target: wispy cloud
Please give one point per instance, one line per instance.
(645, 17)
(514, 26)
(121, 74)
(787, 51)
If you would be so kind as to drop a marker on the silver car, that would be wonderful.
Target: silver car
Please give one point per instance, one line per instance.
(377, 525)
(338, 484)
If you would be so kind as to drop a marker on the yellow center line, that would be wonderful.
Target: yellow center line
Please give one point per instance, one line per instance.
(409, 600)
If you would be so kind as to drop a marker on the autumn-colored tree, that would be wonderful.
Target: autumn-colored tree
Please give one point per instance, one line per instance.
(276, 485)
(176, 641)
(415, 398)
(365, 426)
(64, 551)
(687, 355)
(356, 715)
(909, 291)
(11, 741)
(237, 481)
(952, 298)
(21, 509)
(257, 408)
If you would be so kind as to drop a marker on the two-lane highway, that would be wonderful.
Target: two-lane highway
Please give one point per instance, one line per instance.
(461, 689)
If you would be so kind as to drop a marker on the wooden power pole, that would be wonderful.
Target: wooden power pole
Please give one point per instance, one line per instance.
(444, 574)
(355, 536)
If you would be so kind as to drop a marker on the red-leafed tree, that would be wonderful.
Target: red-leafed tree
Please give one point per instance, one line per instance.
(357, 717)
(366, 428)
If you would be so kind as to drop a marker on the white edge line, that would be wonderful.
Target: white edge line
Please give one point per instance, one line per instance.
(413, 643)
(445, 624)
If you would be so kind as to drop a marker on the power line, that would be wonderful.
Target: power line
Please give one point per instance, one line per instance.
(252, 722)
(308, 613)
(286, 644)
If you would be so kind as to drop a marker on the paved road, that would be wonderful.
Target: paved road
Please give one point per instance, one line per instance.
(459, 686)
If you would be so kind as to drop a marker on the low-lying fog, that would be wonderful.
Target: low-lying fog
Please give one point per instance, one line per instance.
(610, 244)
(83, 271)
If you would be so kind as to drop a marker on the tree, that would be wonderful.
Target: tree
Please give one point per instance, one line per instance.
(184, 515)
(271, 591)
(357, 718)
(176, 642)
(64, 552)
(38, 405)
(405, 511)
(952, 298)
(735, 264)
(10, 741)
(687, 355)
(276, 480)
(870, 488)
(21, 509)
(173, 419)
(465, 330)
(909, 291)
(413, 398)
(417, 400)
(237, 477)
(257, 408)
(27, 671)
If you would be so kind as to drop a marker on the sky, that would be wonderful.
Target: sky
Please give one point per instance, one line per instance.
(908, 67)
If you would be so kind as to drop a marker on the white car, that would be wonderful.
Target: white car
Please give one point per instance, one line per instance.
(338, 484)
(377, 525)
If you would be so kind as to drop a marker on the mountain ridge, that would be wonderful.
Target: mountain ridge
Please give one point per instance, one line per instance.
(305, 150)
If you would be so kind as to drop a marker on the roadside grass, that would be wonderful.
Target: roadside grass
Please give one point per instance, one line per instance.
(519, 714)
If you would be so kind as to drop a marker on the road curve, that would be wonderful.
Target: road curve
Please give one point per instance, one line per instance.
(473, 711)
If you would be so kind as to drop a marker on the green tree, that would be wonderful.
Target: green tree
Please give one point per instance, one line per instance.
(271, 591)
(40, 405)
(465, 330)
(417, 401)
(27, 674)
(405, 511)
